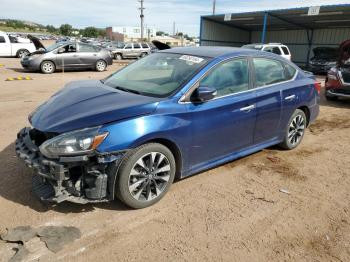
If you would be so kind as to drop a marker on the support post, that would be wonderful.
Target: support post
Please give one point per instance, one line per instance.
(263, 36)
(310, 37)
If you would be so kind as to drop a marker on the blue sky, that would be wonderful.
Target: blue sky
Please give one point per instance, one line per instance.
(158, 13)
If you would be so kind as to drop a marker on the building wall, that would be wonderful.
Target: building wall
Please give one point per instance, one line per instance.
(213, 33)
(134, 31)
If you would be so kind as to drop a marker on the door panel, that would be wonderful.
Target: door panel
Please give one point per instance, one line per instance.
(268, 104)
(221, 126)
(269, 77)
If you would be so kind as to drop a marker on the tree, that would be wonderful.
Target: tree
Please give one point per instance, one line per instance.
(15, 24)
(51, 29)
(91, 32)
(66, 29)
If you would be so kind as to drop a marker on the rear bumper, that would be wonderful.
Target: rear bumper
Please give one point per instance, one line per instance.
(338, 93)
(79, 179)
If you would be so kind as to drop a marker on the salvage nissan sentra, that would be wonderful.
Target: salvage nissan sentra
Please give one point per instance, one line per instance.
(171, 114)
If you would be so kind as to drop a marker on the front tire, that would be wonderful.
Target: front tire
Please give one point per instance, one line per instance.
(331, 98)
(295, 130)
(145, 175)
(118, 56)
(47, 67)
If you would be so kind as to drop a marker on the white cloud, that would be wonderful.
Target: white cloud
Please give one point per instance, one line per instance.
(158, 13)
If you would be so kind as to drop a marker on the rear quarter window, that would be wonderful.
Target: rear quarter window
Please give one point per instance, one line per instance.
(289, 71)
(2, 39)
(285, 50)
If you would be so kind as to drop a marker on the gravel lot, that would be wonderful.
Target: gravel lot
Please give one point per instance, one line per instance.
(235, 212)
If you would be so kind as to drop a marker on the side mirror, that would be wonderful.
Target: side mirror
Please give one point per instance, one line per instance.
(204, 93)
(61, 50)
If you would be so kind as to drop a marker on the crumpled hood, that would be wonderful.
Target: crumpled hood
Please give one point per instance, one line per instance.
(83, 104)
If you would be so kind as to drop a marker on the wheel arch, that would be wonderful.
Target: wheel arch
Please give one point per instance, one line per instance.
(174, 149)
(306, 111)
(21, 49)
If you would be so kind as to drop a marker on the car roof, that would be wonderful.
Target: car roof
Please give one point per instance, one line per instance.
(211, 51)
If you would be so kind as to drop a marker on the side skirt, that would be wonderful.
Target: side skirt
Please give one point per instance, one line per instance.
(230, 157)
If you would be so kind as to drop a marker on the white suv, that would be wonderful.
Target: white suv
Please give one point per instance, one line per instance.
(275, 48)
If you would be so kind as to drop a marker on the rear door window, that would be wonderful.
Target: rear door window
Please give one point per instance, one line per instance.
(285, 50)
(86, 48)
(137, 46)
(228, 78)
(145, 46)
(273, 49)
(289, 71)
(128, 46)
(268, 71)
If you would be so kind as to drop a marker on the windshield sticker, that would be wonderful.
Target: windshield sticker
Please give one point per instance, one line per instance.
(192, 59)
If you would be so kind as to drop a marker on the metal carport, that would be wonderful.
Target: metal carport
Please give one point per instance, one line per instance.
(295, 27)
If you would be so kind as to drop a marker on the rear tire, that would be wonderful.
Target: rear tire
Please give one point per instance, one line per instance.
(295, 130)
(143, 55)
(145, 175)
(22, 53)
(47, 67)
(101, 66)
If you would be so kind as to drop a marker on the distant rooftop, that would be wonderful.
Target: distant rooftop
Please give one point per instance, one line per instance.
(330, 16)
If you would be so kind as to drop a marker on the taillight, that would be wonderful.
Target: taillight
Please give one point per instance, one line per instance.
(317, 86)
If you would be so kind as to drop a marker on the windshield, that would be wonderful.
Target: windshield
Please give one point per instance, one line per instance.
(53, 47)
(158, 74)
(326, 53)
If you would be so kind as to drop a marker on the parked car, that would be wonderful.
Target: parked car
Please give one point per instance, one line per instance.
(12, 46)
(323, 60)
(276, 48)
(171, 114)
(131, 50)
(338, 77)
(68, 55)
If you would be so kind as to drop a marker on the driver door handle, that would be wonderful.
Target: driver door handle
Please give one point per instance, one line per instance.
(247, 108)
(290, 98)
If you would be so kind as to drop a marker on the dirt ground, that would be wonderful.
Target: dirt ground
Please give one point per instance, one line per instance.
(235, 212)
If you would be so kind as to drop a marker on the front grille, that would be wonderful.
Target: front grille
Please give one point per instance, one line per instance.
(39, 137)
(346, 77)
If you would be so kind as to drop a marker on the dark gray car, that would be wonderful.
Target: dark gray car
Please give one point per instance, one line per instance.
(68, 55)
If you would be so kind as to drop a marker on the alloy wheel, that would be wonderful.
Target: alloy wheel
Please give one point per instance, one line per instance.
(149, 176)
(47, 67)
(101, 66)
(296, 130)
(22, 53)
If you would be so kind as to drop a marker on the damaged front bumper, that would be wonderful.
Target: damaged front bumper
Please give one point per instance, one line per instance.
(79, 179)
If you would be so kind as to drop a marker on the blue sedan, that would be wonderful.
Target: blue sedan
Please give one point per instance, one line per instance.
(171, 114)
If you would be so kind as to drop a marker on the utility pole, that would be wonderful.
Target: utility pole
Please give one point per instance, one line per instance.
(214, 5)
(142, 17)
(174, 28)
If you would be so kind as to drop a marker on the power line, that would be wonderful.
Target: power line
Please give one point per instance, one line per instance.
(142, 17)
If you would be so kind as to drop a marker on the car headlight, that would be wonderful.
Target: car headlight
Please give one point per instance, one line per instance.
(33, 57)
(73, 143)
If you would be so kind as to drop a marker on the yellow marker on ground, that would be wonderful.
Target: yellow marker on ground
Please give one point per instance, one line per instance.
(19, 78)
(10, 79)
(29, 78)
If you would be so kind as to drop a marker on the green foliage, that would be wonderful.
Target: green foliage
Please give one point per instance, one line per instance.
(51, 29)
(66, 29)
(15, 24)
(90, 32)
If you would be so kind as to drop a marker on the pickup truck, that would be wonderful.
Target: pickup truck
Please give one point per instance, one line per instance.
(15, 47)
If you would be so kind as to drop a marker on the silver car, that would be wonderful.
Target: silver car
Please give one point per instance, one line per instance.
(68, 55)
(131, 50)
